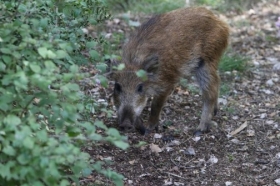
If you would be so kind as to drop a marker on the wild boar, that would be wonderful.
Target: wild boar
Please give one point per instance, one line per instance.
(180, 43)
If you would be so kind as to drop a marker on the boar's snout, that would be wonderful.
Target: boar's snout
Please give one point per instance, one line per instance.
(126, 125)
(128, 120)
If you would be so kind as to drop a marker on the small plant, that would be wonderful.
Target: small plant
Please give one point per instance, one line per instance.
(229, 110)
(242, 23)
(231, 62)
(230, 157)
(145, 6)
(193, 88)
(183, 82)
(225, 5)
(167, 123)
(158, 6)
(212, 3)
(224, 89)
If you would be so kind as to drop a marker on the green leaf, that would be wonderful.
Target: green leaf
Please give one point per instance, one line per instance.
(86, 172)
(89, 127)
(2, 67)
(7, 59)
(94, 54)
(102, 67)
(28, 143)
(113, 132)
(103, 81)
(5, 170)
(74, 69)
(43, 52)
(16, 54)
(42, 135)
(9, 150)
(100, 124)
(51, 54)
(5, 50)
(73, 86)
(64, 183)
(122, 145)
(121, 66)
(91, 44)
(35, 68)
(50, 65)
(73, 132)
(142, 74)
(60, 54)
(23, 159)
(44, 161)
(37, 183)
(44, 22)
(95, 137)
(140, 144)
(12, 120)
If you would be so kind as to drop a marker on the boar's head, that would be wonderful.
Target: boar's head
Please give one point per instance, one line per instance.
(132, 92)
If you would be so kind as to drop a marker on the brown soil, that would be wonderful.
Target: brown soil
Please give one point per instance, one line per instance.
(224, 156)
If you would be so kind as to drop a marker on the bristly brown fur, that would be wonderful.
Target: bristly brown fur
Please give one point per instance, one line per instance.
(170, 46)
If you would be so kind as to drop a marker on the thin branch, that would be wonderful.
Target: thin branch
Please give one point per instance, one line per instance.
(175, 175)
(27, 105)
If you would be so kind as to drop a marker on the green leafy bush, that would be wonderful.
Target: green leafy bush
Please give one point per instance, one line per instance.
(41, 130)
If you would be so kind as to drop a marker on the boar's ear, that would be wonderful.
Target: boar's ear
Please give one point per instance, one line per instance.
(110, 72)
(151, 64)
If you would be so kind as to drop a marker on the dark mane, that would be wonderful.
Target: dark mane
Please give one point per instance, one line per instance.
(147, 26)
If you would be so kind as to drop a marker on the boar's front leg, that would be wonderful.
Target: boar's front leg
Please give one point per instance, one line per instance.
(157, 104)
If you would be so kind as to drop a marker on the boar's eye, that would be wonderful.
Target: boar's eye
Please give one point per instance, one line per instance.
(140, 88)
(117, 88)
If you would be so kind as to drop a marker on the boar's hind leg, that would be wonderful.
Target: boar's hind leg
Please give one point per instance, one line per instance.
(157, 104)
(208, 80)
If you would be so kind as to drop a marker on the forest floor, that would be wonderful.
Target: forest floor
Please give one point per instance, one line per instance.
(244, 147)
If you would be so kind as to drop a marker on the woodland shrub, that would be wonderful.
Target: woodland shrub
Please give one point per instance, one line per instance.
(41, 128)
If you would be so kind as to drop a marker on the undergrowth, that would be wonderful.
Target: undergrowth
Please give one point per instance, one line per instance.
(233, 62)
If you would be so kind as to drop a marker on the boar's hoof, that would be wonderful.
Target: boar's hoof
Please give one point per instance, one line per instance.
(150, 130)
(215, 111)
(199, 132)
(167, 138)
(141, 129)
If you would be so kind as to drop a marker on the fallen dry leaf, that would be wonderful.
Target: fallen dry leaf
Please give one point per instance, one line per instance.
(196, 138)
(155, 148)
(131, 162)
(157, 136)
(190, 151)
(243, 126)
(274, 136)
(213, 159)
(277, 181)
(250, 132)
